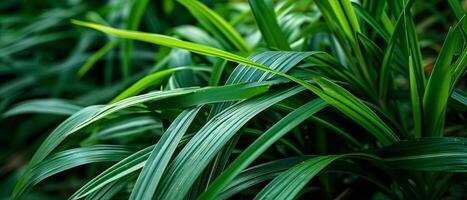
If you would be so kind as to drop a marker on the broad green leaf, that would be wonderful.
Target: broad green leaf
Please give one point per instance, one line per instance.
(160, 156)
(267, 23)
(202, 148)
(438, 88)
(267, 139)
(281, 61)
(91, 114)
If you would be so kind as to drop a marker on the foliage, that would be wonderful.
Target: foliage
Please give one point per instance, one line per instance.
(188, 99)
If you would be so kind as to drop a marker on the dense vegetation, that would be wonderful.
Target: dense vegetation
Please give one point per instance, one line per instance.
(187, 99)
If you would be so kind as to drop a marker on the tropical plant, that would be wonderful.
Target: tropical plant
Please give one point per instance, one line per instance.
(260, 99)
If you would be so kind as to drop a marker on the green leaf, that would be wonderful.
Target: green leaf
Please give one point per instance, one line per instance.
(69, 159)
(344, 15)
(96, 56)
(289, 183)
(430, 154)
(160, 156)
(281, 61)
(417, 105)
(124, 128)
(343, 22)
(270, 170)
(197, 35)
(457, 9)
(355, 109)
(267, 139)
(114, 173)
(385, 72)
(171, 42)
(91, 114)
(108, 191)
(448, 154)
(217, 70)
(193, 47)
(412, 48)
(337, 130)
(201, 149)
(215, 24)
(258, 174)
(43, 106)
(267, 22)
(371, 21)
(119, 171)
(217, 94)
(460, 96)
(459, 66)
(438, 88)
(153, 80)
(132, 22)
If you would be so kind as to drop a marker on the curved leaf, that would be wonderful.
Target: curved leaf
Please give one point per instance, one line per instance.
(43, 106)
(262, 144)
(155, 166)
(69, 159)
(202, 148)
